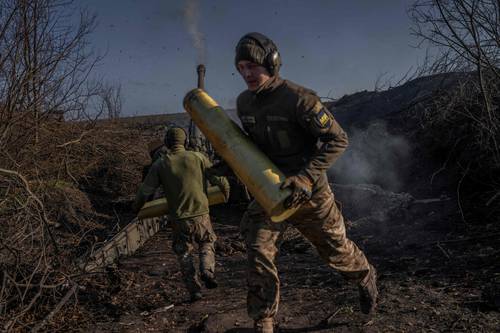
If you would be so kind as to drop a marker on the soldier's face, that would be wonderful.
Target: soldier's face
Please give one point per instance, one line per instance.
(254, 74)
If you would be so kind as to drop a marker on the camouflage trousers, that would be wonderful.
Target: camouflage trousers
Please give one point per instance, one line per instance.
(187, 233)
(321, 222)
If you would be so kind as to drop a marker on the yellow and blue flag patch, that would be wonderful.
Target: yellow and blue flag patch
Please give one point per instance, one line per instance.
(322, 117)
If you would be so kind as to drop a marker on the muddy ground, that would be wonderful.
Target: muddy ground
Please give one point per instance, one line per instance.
(437, 273)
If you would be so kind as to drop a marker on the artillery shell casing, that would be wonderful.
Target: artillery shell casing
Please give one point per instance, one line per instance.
(252, 166)
(159, 207)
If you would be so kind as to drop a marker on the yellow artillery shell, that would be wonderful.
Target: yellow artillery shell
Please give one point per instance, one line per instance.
(252, 166)
(159, 207)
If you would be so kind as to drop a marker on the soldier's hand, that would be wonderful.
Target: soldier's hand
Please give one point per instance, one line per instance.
(301, 187)
(224, 187)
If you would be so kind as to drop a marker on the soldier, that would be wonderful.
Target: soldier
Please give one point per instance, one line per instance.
(292, 127)
(183, 176)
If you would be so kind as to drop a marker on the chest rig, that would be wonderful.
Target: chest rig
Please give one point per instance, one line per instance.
(271, 120)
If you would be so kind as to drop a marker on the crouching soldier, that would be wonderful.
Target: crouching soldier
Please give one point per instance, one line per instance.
(183, 176)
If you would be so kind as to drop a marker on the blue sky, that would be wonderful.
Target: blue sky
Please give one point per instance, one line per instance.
(333, 47)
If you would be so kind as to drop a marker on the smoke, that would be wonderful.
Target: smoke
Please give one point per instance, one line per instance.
(191, 15)
(374, 156)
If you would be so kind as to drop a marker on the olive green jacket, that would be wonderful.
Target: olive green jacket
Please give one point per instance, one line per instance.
(183, 175)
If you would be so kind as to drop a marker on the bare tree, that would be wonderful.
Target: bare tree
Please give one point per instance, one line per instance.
(112, 99)
(44, 64)
(467, 36)
(464, 38)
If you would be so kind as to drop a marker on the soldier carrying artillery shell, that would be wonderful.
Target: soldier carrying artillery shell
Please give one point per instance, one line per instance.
(293, 128)
(183, 176)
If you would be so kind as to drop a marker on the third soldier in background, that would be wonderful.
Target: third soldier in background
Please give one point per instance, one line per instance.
(292, 127)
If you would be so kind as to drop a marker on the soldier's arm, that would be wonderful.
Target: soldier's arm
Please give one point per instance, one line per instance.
(222, 183)
(149, 186)
(317, 120)
(213, 177)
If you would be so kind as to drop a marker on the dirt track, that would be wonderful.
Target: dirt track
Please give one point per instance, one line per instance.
(435, 276)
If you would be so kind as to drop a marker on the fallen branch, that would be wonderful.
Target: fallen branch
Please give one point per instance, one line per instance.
(328, 321)
(45, 219)
(57, 308)
(493, 198)
(443, 250)
(72, 142)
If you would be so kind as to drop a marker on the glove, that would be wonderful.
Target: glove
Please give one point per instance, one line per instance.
(224, 187)
(301, 187)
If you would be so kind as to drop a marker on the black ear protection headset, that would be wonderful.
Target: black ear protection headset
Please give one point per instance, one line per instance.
(273, 60)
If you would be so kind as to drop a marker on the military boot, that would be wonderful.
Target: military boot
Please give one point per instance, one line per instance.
(368, 292)
(195, 296)
(209, 281)
(264, 325)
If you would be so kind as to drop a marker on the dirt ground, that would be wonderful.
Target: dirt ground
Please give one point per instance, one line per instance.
(436, 274)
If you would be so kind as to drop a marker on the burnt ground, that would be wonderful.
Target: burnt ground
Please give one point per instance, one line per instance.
(438, 263)
(436, 274)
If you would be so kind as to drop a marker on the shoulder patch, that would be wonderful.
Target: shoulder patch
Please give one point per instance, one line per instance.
(322, 117)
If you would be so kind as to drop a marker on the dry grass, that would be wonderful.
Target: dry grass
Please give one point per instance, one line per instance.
(466, 137)
(47, 215)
